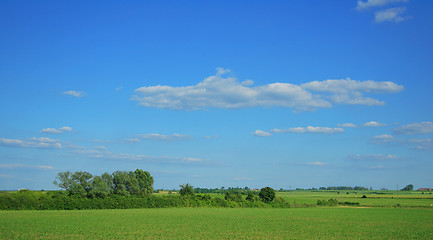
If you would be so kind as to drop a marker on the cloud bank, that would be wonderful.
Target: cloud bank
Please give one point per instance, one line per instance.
(220, 91)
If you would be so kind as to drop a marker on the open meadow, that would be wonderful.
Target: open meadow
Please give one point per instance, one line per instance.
(220, 223)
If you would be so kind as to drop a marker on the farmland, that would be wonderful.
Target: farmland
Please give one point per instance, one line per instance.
(380, 215)
(220, 223)
(371, 199)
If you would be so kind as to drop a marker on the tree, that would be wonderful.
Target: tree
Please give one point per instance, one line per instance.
(186, 190)
(267, 194)
(63, 180)
(99, 188)
(145, 181)
(120, 182)
(81, 185)
(408, 188)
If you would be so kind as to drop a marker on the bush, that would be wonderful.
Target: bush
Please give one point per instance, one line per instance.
(267, 194)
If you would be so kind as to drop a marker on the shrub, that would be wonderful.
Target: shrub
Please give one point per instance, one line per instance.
(267, 194)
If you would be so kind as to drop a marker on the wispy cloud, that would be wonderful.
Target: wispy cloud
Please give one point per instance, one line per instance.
(363, 5)
(348, 91)
(161, 137)
(390, 15)
(372, 157)
(415, 128)
(103, 153)
(15, 166)
(56, 130)
(77, 94)
(260, 133)
(316, 163)
(309, 129)
(347, 125)
(385, 138)
(219, 91)
(31, 143)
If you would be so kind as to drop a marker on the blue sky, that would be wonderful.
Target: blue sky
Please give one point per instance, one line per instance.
(218, 93)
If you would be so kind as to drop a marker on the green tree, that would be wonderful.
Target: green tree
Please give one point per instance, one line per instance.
(186, 190)
(145, 181)
(408, 188)
(64, 180)
(267, 194)
(120, 183)
(99, 188)
(108, 179)
(81, 185)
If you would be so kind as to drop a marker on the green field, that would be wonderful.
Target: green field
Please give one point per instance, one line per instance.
(220, 223)
(373, 198)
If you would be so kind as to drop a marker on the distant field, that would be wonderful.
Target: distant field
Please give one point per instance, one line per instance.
(220, 223)
(373, 198)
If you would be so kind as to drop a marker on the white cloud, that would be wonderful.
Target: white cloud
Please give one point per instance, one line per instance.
(385, 138)
(161, 137)
(309, 129)
(347, 91)
(373, 157)
(227, 92)
(415, 128)
(390, 15)
(103, 153)
(56, 131)
(32, 143)
(77, 94)
(261, 133)
(15, 166)
(373, 124)
(362, 5)
(347, 125)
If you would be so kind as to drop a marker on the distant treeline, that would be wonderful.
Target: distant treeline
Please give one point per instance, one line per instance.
(245, 190)
(357, 188)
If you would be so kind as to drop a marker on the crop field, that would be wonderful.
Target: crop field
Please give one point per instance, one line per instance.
(372, 198)
(220, 223)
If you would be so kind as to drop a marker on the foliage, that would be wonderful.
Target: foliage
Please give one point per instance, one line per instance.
(83, 184)
(186, 190)
(408, 188)
(330, 202)
(267, 194)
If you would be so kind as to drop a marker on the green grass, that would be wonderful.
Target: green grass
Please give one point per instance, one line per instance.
(220, 223)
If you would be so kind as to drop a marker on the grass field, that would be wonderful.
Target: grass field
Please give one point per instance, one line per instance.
(220, 223)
